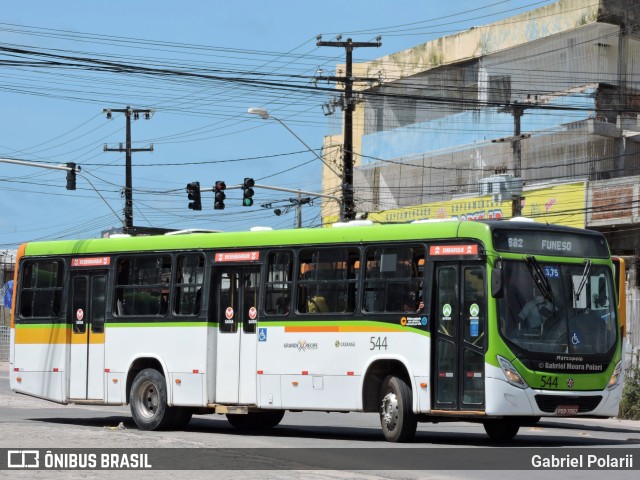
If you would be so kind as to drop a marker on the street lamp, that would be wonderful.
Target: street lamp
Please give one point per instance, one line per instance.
(264, 114)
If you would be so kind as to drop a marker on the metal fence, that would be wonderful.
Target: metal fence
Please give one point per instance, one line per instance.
(4, 343)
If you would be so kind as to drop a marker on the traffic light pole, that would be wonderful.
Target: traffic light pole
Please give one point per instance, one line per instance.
(71, 169)
(40, 165)
(288, 190)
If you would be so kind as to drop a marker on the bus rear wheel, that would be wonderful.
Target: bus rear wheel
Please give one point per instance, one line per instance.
(397, 419)
(148, 401)
(501, 430)
(256, 420)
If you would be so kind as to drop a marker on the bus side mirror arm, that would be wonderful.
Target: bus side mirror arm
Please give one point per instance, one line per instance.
(497, 280)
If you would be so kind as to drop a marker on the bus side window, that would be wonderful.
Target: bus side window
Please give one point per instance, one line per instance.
(327, 280)
(188, 284)
(393, 279)
(278, 283)
(141, 282)
(41, 289)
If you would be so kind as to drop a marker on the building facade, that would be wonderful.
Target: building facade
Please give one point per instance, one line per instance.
(543, 105)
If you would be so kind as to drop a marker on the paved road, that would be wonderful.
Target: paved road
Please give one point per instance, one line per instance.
(27, 422)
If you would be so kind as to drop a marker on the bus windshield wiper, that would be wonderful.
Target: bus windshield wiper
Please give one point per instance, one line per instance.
(539, 278)
(583, 280)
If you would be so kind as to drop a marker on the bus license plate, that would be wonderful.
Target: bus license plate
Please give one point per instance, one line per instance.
(566, 410)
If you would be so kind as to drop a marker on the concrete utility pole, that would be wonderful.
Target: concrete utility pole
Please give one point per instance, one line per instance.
(347, 211)
(517, 109)
(128, 189)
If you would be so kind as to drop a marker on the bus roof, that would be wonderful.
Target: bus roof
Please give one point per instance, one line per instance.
(305, 236)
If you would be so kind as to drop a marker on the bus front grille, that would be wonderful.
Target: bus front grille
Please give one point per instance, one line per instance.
(549, 403)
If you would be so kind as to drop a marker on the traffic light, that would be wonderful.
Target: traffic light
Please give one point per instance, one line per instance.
(219, 195)
(247, 192)
(71, 176)
(193, 192)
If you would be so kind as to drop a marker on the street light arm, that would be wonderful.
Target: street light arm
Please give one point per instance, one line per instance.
(265, 115)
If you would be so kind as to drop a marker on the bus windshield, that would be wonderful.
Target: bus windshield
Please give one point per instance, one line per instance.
(558, 308)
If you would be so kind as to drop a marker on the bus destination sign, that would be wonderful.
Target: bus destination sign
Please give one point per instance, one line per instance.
(550, 243)
(90, 262)
(445, 250)
(221, 257)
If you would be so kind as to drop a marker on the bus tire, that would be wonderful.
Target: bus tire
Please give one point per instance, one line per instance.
(181, 417)
(501, 430)
(397, 419)
(256, 420)
(148, 401)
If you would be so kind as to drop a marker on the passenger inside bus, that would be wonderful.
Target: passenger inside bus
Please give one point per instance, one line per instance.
(283, 305)
(413, 303)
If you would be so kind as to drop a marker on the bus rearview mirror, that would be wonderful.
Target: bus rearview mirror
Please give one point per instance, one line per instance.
(497, 280)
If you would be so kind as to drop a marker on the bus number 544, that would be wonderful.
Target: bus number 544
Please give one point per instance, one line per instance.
(378, 343)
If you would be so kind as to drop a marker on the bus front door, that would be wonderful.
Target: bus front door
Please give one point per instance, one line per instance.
(87, 316)
(236, 307)
(459, 302)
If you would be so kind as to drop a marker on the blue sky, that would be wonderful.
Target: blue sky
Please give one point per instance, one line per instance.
(52, 112)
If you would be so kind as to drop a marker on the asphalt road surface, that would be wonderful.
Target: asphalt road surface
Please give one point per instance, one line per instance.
(27, 422)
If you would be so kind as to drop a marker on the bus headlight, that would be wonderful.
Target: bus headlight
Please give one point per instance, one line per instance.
(615, 377)
(510, 373)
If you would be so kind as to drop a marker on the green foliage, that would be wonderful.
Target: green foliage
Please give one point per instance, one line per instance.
(630, 404)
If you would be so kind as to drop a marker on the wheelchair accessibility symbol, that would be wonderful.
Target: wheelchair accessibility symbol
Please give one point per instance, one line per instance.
(262, 334)
(574, 339)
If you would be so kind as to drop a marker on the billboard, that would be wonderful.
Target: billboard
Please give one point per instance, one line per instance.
(558, 204)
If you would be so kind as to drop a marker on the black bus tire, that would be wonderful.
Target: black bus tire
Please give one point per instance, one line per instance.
(501, 430)
(256, 420)
(148, 401)
(397, 419)
(181, 417)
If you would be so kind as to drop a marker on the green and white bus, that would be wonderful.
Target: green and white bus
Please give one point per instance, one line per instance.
(494, 322)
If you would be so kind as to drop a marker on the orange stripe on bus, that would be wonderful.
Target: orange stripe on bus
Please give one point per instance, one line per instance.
(312, 329)
(50, 336)
(348, 328)
(343, 328)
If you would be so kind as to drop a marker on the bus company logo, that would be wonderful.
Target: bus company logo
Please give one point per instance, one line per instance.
(570, 383)
(344, 344)
(414, 321)
(302, 345)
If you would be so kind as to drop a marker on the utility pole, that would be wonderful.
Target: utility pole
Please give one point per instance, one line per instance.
(517, 109)
(347, 210)
(299, 211)
(128, 189)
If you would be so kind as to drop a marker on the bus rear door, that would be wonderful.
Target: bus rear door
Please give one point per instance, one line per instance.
(87, 316)
(236, 307)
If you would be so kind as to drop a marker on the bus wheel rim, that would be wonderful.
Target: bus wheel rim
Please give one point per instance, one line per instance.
(148, 399)
(390, 410)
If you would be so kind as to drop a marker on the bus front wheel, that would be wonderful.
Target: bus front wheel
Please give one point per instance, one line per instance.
(148, 401)
(501, 430)
(397, 419)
